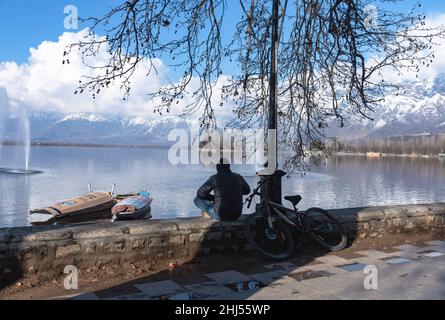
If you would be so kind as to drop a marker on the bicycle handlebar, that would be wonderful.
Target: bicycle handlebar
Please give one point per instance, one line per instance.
(264, 179)
(256, 191)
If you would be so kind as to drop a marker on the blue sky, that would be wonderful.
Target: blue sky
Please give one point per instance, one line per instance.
(26, 23)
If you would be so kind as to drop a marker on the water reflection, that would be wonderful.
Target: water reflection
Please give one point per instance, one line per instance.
(339, 182)
(14, 199)
(361, 181)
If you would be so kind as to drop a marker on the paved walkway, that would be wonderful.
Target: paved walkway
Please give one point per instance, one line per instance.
(403, 272)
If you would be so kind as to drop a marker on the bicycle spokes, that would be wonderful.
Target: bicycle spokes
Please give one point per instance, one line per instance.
(325, 229)
(275, 242)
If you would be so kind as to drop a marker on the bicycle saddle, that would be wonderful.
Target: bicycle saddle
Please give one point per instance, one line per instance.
(294, 199)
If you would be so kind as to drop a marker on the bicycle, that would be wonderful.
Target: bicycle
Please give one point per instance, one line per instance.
(267, 229)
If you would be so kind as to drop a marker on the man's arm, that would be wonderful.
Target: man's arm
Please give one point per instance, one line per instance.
(245, 185)
(206, 188)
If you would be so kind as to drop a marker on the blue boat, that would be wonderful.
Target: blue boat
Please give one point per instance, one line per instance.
(134, 207)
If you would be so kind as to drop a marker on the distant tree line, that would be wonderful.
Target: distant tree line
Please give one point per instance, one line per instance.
(426, 144)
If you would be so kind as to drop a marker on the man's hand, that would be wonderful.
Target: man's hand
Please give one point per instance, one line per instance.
(209, 197)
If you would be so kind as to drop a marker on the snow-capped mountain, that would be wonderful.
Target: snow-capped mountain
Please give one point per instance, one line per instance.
(418, 107)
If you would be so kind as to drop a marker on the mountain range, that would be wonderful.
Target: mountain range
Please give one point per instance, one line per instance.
(418, 108)
(83, 128)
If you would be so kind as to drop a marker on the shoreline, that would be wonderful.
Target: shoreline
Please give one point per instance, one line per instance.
(377, 155)
(166, 146)
(87, 145)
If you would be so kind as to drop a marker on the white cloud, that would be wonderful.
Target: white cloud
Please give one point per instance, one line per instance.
(45, 84)
(438, 65)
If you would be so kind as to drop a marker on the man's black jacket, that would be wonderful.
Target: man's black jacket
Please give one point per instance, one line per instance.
(229, 189)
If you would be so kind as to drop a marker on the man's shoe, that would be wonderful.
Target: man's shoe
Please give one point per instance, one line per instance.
(205, 215)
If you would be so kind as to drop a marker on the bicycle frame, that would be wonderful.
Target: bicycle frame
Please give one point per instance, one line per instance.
(277, 209)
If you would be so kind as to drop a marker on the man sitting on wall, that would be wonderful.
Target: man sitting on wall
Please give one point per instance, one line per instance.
(226, 204)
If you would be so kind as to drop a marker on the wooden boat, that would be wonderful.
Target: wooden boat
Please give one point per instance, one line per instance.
(93, 205)
(133, 207)
(374, 154)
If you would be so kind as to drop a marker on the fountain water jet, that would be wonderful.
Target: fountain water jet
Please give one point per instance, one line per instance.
(25, 139)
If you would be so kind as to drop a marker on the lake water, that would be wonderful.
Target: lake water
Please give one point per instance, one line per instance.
(340, 182)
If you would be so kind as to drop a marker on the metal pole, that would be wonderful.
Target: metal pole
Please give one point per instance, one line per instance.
(273, 103)
(274, 186)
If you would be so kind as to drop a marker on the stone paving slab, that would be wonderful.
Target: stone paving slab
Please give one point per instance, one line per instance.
(332, 268)
(228, 277)
(235, 296)
(406, 254)
(354, 295)
(310, 274)
(352, 267)
(438, 243)
(398, 261)
(160, 288)
(279, 293)
(329, 284)
(125, 290)
(207, 289)
(266, 278)
(304, 268)
(440, 259)
(82, 296)
(285, 288)
(377, 262)
(399, 289)
(439, 248)
(332, 259)
(409, 248)
(376, 254)
(131, 297)
(280, 266)
(322, 296)
(431, 254)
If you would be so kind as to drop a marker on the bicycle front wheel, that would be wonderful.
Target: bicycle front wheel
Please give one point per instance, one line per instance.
(325, 229)
(274, 243)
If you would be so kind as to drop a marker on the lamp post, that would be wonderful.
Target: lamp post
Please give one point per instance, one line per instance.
(273, 103)
(273, 190)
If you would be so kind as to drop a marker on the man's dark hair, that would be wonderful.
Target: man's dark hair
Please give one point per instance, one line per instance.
(223, 164)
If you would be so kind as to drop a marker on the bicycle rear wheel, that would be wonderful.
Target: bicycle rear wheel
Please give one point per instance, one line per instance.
(276, 243)
(325, 229)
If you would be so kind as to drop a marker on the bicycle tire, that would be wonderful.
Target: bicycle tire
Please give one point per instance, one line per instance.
(280, 226)
(320, 237)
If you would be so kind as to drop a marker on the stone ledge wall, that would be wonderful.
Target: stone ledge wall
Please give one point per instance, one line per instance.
(45, 251)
